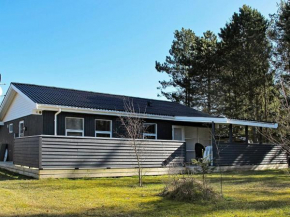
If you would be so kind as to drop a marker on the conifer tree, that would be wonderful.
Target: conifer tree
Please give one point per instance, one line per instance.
(279, 33)
(179, 66)
(209, 72)
(192, 70)
(246, 76)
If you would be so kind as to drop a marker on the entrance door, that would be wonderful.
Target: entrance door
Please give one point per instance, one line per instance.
(195, 135)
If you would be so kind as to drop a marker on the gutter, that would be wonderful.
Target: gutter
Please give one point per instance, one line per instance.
(226, 121)
(101, 112)
(217, 120)
(55, 121)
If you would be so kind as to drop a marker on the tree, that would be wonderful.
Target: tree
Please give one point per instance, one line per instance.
(279, 33)
(281, 137)
(192, 69)
(134, 128)
(179, 66)
(209, 69)
(248, 85)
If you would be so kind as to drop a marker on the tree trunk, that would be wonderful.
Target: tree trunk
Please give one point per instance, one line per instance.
(209, 94)
(139, 165)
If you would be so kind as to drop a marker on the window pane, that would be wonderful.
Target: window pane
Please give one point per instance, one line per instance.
(177, 134)
(103, 135)
(149, 137)
(102, 125)
(21, 126)
(74, 123)
(10, 128)
(74, 134)
(149, 128)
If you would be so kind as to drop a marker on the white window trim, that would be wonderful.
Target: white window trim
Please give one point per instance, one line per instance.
(150, 134)
(75, 131)
(103, 132)
(21, 122)
(182, 132)
(10, 131)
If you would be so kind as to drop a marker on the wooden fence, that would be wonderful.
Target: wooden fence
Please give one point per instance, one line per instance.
(56, 152)
(249, 154)
(27, 151)
(59, 152)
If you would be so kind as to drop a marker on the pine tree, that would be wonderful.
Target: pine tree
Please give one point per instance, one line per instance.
(247, 80)
(192, 70)
(209, 72)
(179, 65)
(279, 33)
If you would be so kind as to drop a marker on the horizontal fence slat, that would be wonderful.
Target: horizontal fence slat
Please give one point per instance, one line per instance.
(94, 153)
(249, 154)
(62, 152)
(26, 152)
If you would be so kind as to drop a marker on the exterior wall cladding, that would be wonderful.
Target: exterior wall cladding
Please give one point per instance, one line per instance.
(44, 124)
(164, 128)
(33, 125)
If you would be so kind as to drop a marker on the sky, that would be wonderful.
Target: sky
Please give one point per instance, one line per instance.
(105, 46)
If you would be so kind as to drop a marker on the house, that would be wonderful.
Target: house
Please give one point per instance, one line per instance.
(58, 132)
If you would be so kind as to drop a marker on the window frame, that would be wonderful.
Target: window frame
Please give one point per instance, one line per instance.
(75, 131)
(9, 125)
(150, 134)
(19, 134)
(104, 132)
(182, 132)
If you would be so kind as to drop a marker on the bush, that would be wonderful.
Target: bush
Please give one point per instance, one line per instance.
(188, 189)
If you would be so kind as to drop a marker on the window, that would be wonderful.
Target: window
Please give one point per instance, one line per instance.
(150, 131)
(21, 128)
(104, 128)
(10, 126)
(74, 126)
(177, 133)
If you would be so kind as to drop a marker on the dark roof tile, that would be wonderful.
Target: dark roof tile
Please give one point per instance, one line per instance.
(92, 100)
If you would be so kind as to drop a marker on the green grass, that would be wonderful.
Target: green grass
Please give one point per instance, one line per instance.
(263, 193)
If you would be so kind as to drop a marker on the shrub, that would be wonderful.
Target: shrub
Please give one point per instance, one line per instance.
(188, 189)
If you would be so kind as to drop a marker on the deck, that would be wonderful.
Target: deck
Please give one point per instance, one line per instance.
(85, 173)
(78, 157)
(101, 173)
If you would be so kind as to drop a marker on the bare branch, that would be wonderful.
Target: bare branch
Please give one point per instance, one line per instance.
(134, 128)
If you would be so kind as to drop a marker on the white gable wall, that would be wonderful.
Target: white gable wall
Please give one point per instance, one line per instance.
(19, 107)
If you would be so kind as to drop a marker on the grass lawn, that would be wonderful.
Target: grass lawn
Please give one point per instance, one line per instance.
(263, 193)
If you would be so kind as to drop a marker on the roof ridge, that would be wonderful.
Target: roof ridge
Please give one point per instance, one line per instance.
(37, 85)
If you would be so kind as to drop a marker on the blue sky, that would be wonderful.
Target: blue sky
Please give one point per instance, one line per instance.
(104, 46)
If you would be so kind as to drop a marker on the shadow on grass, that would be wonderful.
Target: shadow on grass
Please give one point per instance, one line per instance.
(166, 207)
(240, 178)
(7, 175)
(251, 198)
(89, 183)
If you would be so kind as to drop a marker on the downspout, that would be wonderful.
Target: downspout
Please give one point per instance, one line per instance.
(55, 121)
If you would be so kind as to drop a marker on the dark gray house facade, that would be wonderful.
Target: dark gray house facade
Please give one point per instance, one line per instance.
(56, 128)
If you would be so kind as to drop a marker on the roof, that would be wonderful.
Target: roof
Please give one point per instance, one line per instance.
(92, 100)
